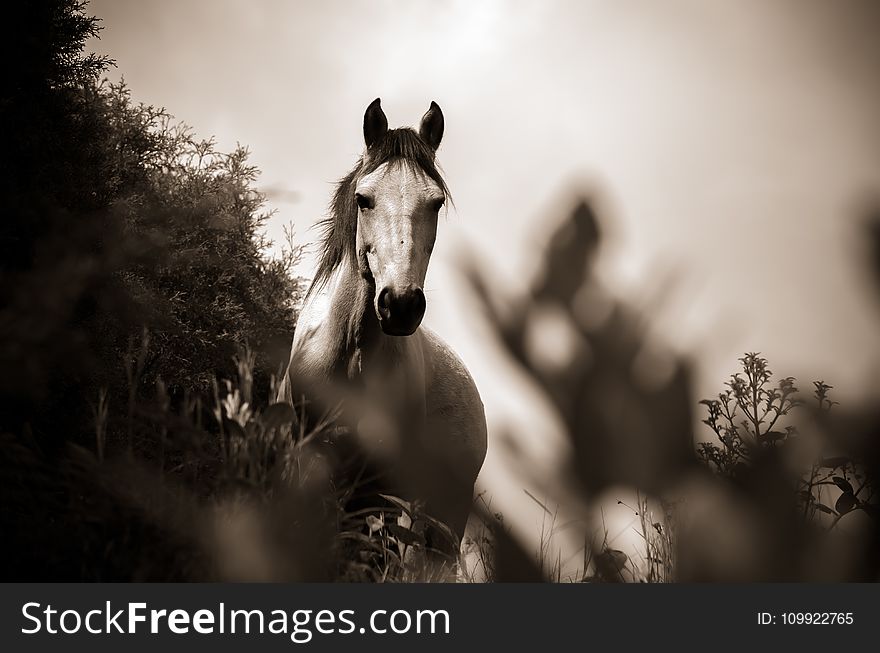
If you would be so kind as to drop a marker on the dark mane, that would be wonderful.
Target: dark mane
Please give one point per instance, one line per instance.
(339, 229)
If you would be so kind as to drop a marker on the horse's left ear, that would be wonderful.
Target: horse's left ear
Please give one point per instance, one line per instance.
(431, 129)
(375, 123)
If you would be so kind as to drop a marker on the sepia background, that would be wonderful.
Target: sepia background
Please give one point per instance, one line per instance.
(661, 265)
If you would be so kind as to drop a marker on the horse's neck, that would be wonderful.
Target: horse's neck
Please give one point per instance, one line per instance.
(351, 337)
(340, 339)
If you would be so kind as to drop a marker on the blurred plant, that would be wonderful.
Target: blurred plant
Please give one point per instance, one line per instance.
(624, 400)
(625, 404)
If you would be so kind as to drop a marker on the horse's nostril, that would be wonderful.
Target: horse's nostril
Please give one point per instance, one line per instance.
(384, 303)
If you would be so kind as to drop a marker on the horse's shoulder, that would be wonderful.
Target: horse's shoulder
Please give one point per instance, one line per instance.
(447, 377)
(454, 403)
(440, 358)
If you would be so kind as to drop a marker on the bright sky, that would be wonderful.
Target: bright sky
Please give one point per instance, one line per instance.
(734, 145)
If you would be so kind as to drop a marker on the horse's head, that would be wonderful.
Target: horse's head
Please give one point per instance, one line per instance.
(398, 204)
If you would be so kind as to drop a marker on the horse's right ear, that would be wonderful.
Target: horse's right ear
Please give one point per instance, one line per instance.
(431, 129)
(375, 123)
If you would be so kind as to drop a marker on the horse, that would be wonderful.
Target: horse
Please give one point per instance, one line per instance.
(414, 406)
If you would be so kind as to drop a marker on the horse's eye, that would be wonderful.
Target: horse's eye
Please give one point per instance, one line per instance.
(363, 201)
(436, 205)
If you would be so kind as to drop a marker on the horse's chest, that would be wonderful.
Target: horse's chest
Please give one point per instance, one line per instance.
(391, 400)
(396, 386)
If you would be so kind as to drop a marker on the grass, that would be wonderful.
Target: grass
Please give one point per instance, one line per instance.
(237, 488)
(259, 491)
(231, 489)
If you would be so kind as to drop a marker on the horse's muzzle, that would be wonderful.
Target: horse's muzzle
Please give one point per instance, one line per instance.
(400, 311)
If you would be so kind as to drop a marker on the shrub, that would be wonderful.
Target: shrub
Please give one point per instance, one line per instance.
(749, 419)
(118, 219)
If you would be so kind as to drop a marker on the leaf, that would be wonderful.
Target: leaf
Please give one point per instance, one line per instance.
(451, 537)
(617, 557)
(400, 503)
(609, 565)
(363, 539)
(843, 484)
(385, 511)
(845, 502)
(278, 415)
(374, 523)
(404, 535)
(773, 436)
(824, 508)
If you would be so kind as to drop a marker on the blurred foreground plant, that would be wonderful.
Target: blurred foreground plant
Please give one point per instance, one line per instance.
(755, 510)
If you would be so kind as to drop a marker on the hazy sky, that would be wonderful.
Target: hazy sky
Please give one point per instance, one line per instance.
(733, 144)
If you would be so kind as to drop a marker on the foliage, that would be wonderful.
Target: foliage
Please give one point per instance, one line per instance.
(781, 476)
(260, 494)
(278, 451)
(745, 415)
(117, 219)
(746, 420)
(624, 424)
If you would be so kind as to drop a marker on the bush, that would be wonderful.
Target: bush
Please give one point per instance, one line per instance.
(118, 220)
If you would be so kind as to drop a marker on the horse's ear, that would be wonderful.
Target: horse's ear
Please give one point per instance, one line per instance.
(375, 123)
(431, 129)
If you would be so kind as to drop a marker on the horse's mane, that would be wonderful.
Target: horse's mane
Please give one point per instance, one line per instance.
(339, 229)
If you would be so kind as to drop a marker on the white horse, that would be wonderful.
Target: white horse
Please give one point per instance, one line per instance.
(415, 406)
